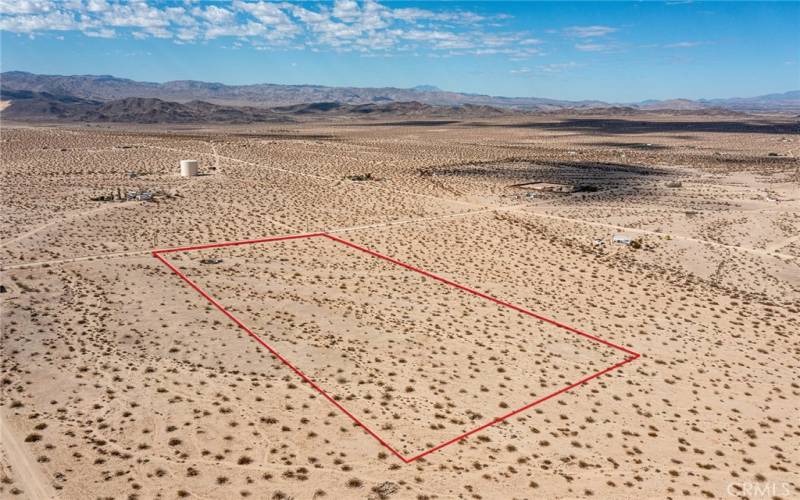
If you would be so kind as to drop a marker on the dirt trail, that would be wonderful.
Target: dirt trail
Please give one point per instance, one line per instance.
(329, 179)
(55, 222)
(67, 260)
(755, 251)
(478, 208)
(485, 206)
(33, 482)
(780, 244)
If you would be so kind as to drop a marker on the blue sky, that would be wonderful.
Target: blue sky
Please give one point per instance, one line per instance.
(613, 51)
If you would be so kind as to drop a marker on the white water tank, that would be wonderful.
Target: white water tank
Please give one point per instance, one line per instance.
(188, 168)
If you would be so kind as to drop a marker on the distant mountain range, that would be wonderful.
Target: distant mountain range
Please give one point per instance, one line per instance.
(30, 97)
(266, 95)
(786, 101)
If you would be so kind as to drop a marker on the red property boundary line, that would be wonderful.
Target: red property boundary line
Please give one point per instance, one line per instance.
(159, 254)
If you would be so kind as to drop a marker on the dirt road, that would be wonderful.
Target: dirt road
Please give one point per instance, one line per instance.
(34, 483)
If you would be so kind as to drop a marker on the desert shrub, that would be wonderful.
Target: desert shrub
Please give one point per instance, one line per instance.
(354, 483)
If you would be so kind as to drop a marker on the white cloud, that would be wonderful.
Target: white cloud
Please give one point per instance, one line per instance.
(346, 10)
(97, 6)
(36, 23)
(136, 14)
(683, 45)
(309, 17)
(375, 16)
(413, 14)
(557, 67)
(187, 34)
(589, 31)
(359, 25)
(592, 47)
(100, 33)
(26, 6)
(266, 13)
(215, 15)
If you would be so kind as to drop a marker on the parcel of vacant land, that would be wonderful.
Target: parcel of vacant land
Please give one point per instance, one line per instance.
(356, 316)
(121, 380)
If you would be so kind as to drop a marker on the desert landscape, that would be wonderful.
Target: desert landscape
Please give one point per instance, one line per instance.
(675, 236)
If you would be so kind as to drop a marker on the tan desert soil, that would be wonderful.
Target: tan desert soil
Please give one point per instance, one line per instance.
(120, 381)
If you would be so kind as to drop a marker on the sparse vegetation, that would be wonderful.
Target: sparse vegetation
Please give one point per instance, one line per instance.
(119, 377)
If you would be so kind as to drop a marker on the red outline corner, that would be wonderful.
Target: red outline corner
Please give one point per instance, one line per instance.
(633, 355)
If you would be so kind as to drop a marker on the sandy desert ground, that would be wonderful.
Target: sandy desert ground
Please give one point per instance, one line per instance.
(121, 381)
